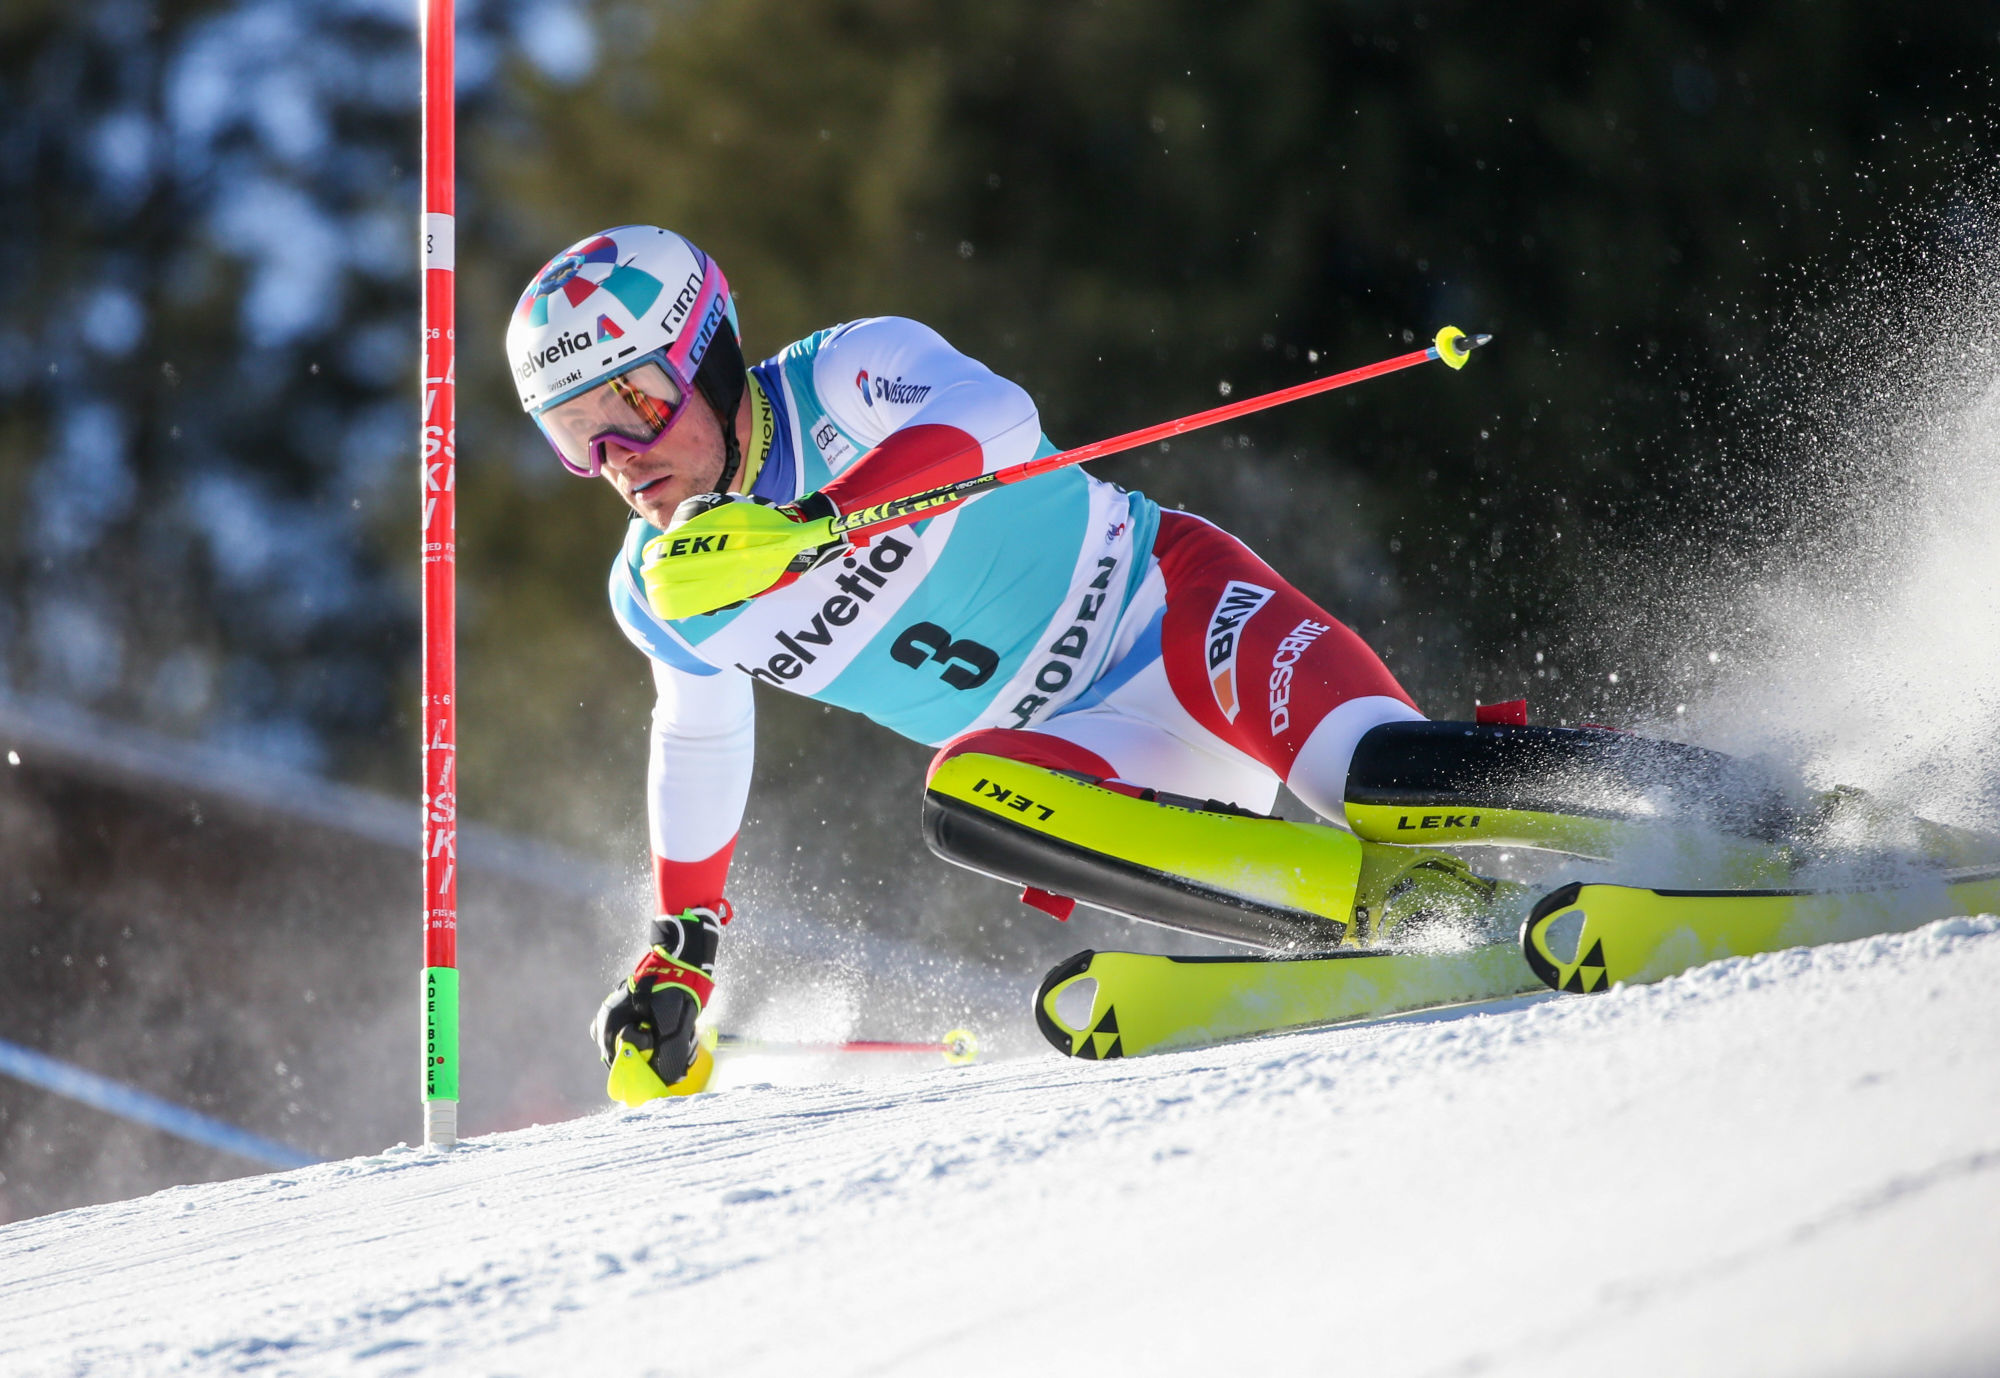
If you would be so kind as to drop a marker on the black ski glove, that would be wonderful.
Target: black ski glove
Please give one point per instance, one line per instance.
(655, 1008)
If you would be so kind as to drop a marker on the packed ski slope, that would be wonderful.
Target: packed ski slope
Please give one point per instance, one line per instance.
(1788, 1164)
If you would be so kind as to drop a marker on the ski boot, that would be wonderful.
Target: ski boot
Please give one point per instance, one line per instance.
(1408, 897)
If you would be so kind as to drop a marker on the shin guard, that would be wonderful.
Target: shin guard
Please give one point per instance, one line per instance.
(1588, 791)
(1199, 866)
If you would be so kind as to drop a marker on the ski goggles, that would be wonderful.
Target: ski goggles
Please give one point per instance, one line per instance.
(630, 411)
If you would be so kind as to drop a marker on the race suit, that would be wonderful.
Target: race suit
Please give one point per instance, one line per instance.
(1063, 621)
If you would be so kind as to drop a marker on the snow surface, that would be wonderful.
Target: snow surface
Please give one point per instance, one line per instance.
(1787, 1164)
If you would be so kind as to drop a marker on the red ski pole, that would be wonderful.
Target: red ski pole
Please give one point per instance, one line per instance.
(1452, 348)
(957, 1047)
(743, 552)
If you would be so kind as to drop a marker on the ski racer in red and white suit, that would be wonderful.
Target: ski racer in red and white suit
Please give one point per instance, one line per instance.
(1063, 622)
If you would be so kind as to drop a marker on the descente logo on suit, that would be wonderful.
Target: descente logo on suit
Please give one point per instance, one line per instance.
(857, 585)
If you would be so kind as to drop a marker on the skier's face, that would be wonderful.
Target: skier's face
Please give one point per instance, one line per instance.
(687, 461)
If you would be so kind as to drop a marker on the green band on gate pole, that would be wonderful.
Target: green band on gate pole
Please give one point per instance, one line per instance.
(440, 1033)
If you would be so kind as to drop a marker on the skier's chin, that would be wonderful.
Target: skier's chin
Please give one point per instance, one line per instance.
(657, 503)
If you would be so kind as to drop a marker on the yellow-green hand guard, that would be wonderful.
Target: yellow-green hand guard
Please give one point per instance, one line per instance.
(633, 1081)
(724, 548)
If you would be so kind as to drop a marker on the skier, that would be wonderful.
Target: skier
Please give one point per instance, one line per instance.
(1064, 624)
(1116, 691)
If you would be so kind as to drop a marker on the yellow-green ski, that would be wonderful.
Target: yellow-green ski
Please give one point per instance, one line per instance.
(1125, 1004)
(1583, 938)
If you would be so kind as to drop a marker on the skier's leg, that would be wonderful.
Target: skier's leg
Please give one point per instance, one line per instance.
(1067, 824)
(1129, 802)
(1147, 813)
(1604, 794)
(1229, 679)
(1261, 667)
(1271, 676)
(1589, 791)
(1257, 665)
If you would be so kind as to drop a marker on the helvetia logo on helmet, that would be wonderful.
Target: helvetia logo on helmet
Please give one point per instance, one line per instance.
(607, 329)
(1238, 604)
(568, 343)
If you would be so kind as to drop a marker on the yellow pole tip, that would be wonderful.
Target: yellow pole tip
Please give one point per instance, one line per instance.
(960, 1047)
(1452, 348)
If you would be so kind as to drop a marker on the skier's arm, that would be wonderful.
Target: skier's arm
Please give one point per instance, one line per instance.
(697, 782)
(697, 779)
(932, 414)
(928, 415)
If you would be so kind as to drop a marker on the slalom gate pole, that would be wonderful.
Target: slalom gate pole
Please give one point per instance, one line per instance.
(440, 564)
(1452, 347)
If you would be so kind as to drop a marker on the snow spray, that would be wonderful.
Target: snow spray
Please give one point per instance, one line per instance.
(1868, 655)
(1855, 640)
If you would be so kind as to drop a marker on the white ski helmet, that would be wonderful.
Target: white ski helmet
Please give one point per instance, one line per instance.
(600, 313)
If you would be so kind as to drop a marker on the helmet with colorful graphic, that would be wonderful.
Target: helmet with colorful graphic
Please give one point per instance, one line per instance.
(613, 339)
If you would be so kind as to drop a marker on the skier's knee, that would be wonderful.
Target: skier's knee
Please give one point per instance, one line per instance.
(1029, 748)
(1318, 773)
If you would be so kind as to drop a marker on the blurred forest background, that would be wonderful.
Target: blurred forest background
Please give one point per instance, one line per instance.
(208, 377)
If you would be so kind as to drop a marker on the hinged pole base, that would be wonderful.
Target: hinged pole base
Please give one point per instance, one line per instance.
(441, 1123)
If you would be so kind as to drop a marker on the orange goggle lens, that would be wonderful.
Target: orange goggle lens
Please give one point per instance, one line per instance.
(631, 411)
